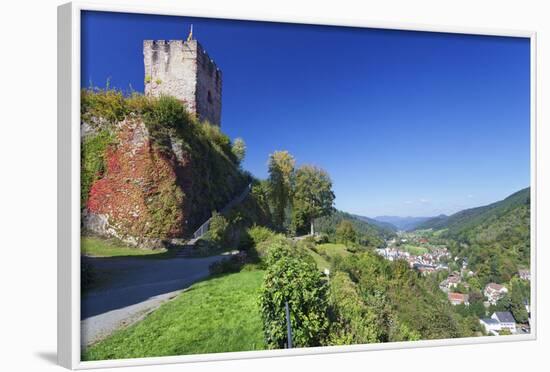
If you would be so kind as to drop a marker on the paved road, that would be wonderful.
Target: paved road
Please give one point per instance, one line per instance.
(136, 287)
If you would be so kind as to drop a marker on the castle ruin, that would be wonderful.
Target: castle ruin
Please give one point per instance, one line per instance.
(184, 70)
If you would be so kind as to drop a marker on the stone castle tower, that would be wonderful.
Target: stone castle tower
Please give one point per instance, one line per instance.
(183, 69)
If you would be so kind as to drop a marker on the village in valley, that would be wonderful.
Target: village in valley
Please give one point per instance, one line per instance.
(430, 257)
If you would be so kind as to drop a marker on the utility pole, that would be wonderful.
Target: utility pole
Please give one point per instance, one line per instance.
(288, 327)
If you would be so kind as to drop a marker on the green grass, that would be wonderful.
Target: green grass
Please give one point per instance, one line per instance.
(96, 247)
(321, 262)
(218, 315)
(414, 249)
(332, 250)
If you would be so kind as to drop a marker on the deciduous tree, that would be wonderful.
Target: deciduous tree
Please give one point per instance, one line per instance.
(313, 196)
(281, 175)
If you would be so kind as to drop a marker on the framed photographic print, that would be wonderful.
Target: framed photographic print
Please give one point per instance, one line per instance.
(236, 188)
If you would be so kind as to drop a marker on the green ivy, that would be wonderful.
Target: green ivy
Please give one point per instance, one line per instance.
(93, 161)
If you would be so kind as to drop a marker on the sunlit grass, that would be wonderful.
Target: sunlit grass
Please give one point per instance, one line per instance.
(218, 315)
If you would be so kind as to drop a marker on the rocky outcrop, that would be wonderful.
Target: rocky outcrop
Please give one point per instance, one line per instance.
(140, 198)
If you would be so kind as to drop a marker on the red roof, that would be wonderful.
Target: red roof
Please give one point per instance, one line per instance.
(457, 297)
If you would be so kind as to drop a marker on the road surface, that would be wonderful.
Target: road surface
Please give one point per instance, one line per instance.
(136, 286)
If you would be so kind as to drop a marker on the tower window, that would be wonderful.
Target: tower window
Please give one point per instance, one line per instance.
(209, 97)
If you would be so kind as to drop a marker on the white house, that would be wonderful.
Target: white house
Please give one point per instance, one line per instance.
(494, 292)
(499, 321)
(524, 274)
(506, 320)
(491, 325)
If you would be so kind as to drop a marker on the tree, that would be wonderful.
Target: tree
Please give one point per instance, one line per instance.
(345, 232)
(239, 149)
(313, 196)
(294, 279)
(281, 175)
(517, 297)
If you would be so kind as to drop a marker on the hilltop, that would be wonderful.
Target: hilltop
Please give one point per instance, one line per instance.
(403, 223)
(470, 218)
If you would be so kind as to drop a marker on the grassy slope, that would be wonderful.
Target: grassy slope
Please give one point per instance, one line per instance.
(321, 262)
(96, 247)
(217, 315)
(333, 249)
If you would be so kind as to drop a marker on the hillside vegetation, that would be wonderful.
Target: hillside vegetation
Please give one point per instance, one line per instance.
(150, 169)
(368, 234)
(494, 238)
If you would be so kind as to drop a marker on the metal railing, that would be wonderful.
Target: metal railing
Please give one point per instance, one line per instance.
(203, 229)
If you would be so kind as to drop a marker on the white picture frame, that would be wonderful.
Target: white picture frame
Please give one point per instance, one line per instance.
(69, 186)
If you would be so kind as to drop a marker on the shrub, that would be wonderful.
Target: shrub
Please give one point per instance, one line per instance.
(260, 234)
(232, 264)
(289, 278)
(263, 248)
(218, 230)
(352, 321)
(321, 238)
(98, 105)
(253, 237)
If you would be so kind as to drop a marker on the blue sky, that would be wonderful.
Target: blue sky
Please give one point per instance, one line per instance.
(406, 123)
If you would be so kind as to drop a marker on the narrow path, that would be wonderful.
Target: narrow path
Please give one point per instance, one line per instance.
(136, 287)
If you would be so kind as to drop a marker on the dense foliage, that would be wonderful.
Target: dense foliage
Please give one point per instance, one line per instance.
(368, 235)
(293, 277)
(407, 306)
(312, 196)
(345, 232)
(495, 238)
(281, 177)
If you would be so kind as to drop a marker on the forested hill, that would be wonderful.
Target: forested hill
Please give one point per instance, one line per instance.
(368, 234)
(471, 218)
(494, 238)
(402, 223)
(383, 225)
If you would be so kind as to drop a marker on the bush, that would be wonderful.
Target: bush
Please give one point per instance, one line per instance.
(218, 230)
(352, 321)
(321, 238)
(260, 234)
(98, 106)
(289, 278)
(255, 237)
(229, 265)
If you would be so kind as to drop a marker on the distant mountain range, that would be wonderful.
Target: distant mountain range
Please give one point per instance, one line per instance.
(401, 223)
(381, 224)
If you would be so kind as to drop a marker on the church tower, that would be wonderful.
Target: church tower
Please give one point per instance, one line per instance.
(182, 69)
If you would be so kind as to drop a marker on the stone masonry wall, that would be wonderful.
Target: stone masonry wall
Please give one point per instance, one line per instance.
(184, 70)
